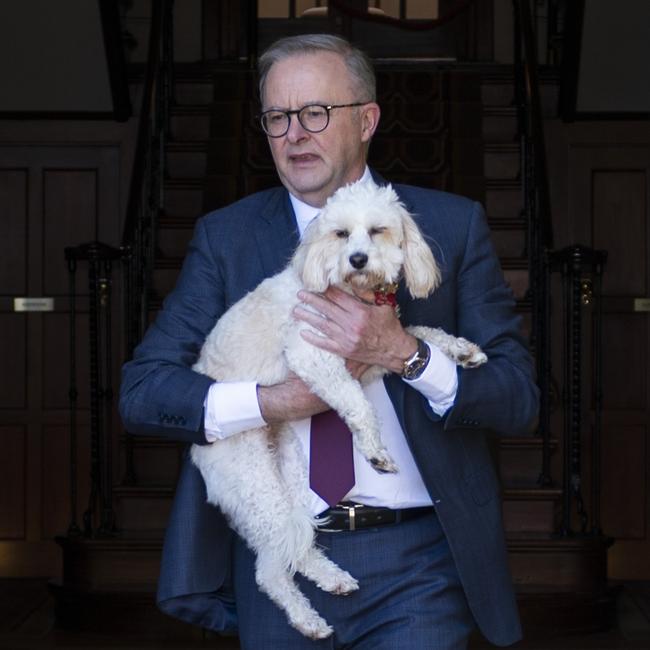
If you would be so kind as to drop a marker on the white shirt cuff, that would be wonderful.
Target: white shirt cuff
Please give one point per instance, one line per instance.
(438, 382)
(230, 408)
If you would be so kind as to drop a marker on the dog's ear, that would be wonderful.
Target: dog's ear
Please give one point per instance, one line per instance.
(421, 271)
(309, 260)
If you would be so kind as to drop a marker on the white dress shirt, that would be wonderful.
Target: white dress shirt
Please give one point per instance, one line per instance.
(233, 407)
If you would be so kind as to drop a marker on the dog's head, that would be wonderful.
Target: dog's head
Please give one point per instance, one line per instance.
(364, 237)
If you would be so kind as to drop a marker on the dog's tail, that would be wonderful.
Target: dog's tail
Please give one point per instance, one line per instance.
(296, 539)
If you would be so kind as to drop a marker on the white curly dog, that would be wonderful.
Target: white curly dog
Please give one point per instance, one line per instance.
(259, 478)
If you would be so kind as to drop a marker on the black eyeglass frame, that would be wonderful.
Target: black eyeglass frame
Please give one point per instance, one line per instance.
(327, 107)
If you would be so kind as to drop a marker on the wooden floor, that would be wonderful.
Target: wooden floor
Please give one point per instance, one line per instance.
(27, 622)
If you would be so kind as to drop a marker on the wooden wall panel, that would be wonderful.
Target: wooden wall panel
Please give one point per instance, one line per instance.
(624, 481)
(12, 482)
(601, 198)
(625, 361)
(619, 209)
(56, 359)
(13, 361)
(56, 478)
(13, 245)
(70, 217)
(53, 195)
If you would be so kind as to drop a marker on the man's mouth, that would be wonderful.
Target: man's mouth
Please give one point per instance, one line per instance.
(303, 158)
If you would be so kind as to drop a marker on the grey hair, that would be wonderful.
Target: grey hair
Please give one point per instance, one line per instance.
(357, 62)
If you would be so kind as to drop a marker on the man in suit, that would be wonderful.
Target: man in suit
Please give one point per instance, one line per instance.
(428, 547)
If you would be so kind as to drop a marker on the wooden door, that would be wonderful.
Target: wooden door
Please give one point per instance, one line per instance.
(608, 208)
(50, 197)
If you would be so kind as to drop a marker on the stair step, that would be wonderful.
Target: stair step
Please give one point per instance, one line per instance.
(227, 154)
(191, 123)
(158, 462)
(405, 119)
(120, 563)
(222, 189)
(184, 197)
(143, 507)
(563, 564)
(509, 243)
(546, 607)
(498, 93)
(197, 92)
(518, 281)
(541, 563)
(498, 90)
(173, 241)
(514, 263)
(530, 510)
(499, 124)
(186, 159)
(416, 154)
(520, 460)
(465, 120)
(504, 199)
(502, 161)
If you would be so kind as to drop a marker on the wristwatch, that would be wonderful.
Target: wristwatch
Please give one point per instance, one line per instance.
(414, 366)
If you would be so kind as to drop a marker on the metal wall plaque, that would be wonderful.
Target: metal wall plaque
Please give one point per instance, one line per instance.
(33, 304)
(641, 304)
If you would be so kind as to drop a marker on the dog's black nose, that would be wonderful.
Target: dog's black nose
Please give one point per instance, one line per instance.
(358, 260)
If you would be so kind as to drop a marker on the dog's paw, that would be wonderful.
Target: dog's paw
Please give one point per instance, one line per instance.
(467, 354)
(383, 463)
(340, 583)
(313, 626)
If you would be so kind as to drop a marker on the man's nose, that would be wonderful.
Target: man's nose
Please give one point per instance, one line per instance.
(358, 260)
(296, 130)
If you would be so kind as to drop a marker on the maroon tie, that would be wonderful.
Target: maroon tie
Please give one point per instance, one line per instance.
(331, 467)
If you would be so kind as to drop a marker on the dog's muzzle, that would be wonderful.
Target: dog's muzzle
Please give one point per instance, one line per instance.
(355, 516)
(358, 260)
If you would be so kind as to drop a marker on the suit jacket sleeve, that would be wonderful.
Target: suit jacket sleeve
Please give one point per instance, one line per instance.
(500, 395)
(160, 394)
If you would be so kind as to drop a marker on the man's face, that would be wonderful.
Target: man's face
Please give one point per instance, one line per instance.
(312, 166)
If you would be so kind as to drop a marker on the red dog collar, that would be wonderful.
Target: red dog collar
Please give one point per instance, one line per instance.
(387, 295)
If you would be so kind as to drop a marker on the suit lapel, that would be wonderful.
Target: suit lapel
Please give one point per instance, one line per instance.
(276, 233)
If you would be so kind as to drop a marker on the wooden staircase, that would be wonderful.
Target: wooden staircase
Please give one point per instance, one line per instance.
(454, 129)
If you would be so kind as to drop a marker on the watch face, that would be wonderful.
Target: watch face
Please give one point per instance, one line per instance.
(414, 369)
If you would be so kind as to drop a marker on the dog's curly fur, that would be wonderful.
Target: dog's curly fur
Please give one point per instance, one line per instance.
(259, 478)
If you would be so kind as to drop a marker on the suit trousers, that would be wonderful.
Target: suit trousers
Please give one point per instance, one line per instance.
(410, 595)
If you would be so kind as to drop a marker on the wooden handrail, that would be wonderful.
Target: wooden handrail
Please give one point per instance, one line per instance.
(114, 48)
(537, 208)
(146, 108)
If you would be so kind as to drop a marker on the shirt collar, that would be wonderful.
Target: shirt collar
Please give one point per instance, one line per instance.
(306, 213)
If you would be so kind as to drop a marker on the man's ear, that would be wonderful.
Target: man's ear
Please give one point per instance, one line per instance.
(369, 120)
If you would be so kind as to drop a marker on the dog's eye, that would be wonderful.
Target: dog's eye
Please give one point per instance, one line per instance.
(342, 234)
(376, 231)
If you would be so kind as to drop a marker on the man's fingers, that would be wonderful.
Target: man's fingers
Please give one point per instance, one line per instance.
(321, 322)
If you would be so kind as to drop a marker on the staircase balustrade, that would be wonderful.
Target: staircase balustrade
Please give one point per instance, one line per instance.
(145, 200)
(98, 518)
(136, 253)
(536, 208)
(581, 272)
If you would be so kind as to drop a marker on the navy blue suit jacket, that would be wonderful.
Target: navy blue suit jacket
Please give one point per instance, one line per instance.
(236, 247)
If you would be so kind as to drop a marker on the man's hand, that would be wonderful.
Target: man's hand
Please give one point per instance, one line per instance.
(289, 400)
(355, 328)
(293, 400)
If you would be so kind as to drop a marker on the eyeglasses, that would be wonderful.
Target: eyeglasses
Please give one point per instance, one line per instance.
(313, 118)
